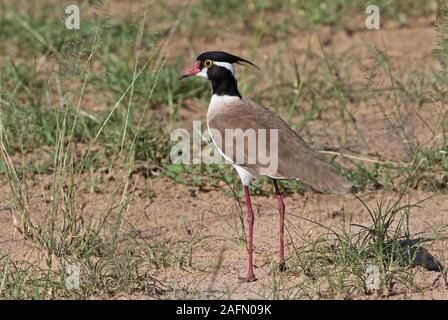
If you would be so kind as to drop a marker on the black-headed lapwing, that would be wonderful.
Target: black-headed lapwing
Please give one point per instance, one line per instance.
(228, 110)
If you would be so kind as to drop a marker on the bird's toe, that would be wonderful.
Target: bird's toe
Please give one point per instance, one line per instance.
(249, 278)
(282, 266)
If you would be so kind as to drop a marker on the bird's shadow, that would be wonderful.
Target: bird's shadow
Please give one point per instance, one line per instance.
(413, 253)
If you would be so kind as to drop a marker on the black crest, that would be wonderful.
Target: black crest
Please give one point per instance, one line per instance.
(224, 57)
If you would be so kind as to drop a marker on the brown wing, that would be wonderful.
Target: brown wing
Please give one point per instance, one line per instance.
(295, 159)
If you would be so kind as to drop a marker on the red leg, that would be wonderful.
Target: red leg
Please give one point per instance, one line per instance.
(250, 220)
(281, 211)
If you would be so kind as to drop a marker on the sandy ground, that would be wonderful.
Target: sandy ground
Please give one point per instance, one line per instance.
(211, 219)
(208, 223)
(214, 216)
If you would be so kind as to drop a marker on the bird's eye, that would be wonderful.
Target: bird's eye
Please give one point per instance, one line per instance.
(208, 63)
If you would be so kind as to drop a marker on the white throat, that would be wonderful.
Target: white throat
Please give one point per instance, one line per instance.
(217, 102)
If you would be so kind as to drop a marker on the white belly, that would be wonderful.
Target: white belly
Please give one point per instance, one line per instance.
(245, 176)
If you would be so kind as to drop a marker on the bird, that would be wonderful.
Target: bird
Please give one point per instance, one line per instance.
(229, 110)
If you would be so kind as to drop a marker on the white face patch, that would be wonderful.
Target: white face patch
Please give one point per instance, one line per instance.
(203, 73)
(228, 66)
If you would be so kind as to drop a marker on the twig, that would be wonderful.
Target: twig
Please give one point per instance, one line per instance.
(363, 158)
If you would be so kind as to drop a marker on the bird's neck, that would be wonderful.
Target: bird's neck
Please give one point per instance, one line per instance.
(226, 86)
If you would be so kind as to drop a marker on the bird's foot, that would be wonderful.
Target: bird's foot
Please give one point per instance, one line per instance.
(249, 278)
(282, 266)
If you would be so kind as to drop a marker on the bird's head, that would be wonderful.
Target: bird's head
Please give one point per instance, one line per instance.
(215, 65)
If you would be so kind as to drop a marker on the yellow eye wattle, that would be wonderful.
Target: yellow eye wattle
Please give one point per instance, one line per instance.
(208, 63)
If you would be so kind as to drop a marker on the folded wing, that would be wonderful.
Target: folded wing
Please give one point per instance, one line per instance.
(295, 159)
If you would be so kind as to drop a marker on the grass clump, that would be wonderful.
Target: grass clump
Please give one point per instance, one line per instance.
(351, 260)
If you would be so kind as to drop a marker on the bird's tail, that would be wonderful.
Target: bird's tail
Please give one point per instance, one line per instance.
(328, 180)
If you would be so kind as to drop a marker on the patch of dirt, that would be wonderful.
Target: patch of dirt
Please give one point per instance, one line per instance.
(180, 213)
(216, 215)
